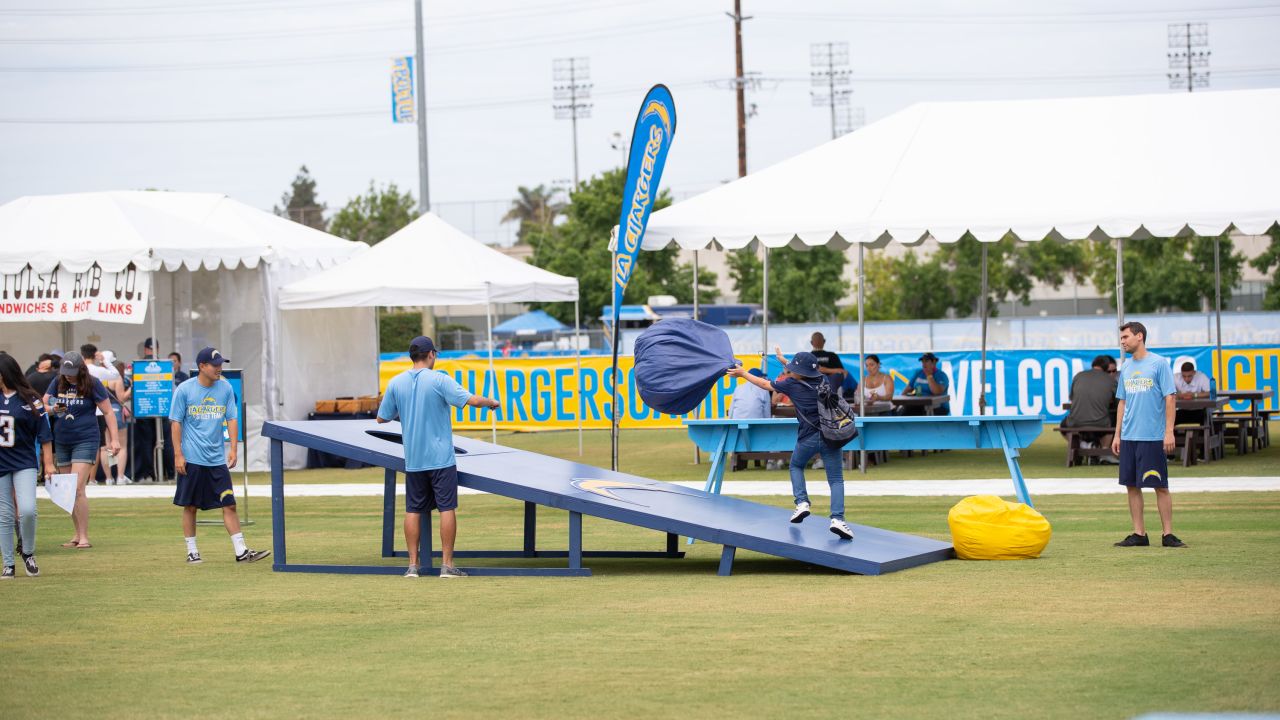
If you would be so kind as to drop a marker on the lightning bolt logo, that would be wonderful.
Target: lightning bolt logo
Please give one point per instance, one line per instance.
(605, 488)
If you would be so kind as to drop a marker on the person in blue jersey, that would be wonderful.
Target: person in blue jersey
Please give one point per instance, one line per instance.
(74, 399)
(24, 428)
(202, 456)
(422, 399)
(929, 381)
(1144, 433)
(799, 382)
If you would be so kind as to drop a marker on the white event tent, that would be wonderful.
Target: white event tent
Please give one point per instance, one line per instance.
(214, 267)
(430, 262)
(1058, 169)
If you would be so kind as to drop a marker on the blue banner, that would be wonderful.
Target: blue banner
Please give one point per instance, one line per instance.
(152, 388)
(402, 107)
(650, 141)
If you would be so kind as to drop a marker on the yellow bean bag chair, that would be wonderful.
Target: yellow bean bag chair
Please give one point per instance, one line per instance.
(986, 527)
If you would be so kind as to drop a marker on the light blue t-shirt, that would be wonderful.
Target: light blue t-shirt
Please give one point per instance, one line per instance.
(921, 384)
(201, 411)
(421, 398)
(1143, 386)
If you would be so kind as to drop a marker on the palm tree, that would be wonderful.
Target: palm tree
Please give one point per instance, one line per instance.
(534, 207)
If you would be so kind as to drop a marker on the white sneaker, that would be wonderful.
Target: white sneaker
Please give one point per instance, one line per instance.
(802, 512)
(841, 528)
(817, 464)
(124, 480)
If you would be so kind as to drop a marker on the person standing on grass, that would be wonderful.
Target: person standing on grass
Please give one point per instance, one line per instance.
(422, 399)
(23, 427)
(201, 455)
(73, 398)
(799, 382)
(1144, 433)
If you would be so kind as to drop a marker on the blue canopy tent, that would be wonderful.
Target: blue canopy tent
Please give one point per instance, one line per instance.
(535, 322)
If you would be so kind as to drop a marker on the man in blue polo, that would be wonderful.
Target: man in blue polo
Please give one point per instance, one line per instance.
(1144, 420)
(422, 398)
(201, 455)
(929, 381)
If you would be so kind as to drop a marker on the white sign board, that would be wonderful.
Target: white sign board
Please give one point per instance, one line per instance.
(61, 295)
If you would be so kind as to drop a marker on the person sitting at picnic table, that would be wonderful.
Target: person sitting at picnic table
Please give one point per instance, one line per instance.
(1093, 394)
(928, 381)
(750, 401)
(876, 386)
(1191, 384)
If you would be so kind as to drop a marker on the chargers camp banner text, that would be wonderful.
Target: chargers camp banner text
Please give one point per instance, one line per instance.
(542, 393)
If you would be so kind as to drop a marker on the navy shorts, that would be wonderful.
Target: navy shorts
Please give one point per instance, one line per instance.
(427, 490)
(206, 487)
(1143, 464)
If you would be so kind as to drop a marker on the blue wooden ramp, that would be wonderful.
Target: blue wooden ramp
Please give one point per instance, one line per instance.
(587, 490)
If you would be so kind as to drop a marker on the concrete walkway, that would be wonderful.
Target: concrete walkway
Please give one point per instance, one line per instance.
(817, 486)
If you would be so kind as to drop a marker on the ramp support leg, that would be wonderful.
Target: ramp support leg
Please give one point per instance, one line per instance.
(1015, 468)
(726, 560)
(575, 540)
(673, 541)
(530, 529)
(277, 504)
(389, 514)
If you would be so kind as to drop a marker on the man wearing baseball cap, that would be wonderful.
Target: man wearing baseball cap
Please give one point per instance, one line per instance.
(422, 399)
(928, 382)
(202, 457)
(799, 382)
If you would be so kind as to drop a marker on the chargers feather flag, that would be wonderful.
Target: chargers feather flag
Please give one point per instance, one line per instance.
(650, 140)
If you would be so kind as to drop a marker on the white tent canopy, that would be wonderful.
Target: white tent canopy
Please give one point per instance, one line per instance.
(428, 262)
(1125, 166)
(154, 230)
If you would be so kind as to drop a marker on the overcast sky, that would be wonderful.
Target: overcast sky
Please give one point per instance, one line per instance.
(130, 94)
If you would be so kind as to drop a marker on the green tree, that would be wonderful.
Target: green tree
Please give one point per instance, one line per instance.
(300, 204)
(534, 208)
(1268, 263)
(903, 288)
(1013, 267)
(397, 329)
(804, 285)
(376, 215)
(579, 247)
(1166, 273)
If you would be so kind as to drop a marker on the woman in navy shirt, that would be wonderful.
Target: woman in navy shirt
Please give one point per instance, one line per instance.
(72, 398)
(23, 428)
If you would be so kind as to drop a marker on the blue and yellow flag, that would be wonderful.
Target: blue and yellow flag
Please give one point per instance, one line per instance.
(655, 126)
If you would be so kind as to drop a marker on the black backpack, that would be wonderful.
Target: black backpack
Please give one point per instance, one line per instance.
(835, 416)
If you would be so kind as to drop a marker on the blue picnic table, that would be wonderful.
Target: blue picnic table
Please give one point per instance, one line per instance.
(1010, 433)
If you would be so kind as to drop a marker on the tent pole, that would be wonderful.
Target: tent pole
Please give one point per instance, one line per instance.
(577, 353)
(862, 350)
(377, 350)
(764, 323)
(1217, 307)
(157, 459)
(982, 309)
(488, 322)
(1120, 287)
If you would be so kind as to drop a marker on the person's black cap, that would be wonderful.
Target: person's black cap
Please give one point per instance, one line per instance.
(421, 345)
(928, 356)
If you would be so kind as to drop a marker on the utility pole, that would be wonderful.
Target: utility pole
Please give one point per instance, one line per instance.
(1183, 60)
(830, 77)
(740, 82)
(419, 65)
(570, 76)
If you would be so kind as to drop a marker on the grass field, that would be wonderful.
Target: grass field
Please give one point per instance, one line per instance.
(1087, 631)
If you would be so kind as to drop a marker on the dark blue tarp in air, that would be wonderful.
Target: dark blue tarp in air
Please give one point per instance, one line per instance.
(678, 360)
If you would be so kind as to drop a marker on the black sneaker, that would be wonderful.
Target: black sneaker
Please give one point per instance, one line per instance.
(194, 558)
(29, 564)
(8, 573)
(1135, 540)
(249, 555)
(1171, 540)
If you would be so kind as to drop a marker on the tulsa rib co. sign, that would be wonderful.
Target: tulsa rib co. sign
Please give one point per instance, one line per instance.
(62, 295)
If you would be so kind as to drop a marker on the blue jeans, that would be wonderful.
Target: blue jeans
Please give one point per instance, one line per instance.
(24, 483)
(832, 460)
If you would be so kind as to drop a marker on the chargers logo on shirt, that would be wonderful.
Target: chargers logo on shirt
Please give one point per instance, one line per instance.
(207, 409)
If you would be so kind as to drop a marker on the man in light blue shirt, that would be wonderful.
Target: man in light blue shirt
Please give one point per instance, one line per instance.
(201, 455)
(423, 399)
(1144, 420)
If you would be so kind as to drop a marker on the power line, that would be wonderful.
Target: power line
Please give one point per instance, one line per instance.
(265, 6)
(1118, 16)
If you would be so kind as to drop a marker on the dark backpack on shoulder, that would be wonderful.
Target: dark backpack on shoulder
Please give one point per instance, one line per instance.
(835, 416)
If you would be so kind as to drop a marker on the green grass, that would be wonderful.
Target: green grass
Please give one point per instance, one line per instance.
(1087, 631)
(668, 455)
